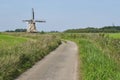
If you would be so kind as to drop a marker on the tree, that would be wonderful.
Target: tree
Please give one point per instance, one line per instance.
(106, 29)
(20, 30)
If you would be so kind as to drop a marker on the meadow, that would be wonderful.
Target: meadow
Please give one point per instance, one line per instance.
(19, 51)
(7, 40)
(99, 55)
(114, 35)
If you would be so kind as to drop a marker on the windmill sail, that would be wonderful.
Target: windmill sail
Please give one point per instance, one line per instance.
(31, 23)
(33, 16)
(39, 21)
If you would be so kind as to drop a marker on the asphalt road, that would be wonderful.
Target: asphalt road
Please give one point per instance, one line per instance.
(60, 64)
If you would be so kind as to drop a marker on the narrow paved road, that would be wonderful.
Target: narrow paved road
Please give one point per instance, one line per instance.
(60, 64)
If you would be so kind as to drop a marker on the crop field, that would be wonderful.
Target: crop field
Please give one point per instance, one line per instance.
(22, 50)
(99, 55)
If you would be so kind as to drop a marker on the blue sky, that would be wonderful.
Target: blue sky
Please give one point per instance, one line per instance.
(59, 14)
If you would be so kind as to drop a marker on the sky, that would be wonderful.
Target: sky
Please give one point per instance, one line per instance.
(59, 14)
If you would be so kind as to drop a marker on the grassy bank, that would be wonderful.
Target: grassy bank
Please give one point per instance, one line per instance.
(96, 65)
(99, 55)
(16, 59)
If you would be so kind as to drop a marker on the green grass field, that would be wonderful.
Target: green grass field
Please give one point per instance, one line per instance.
(114, 35)
(8, 40)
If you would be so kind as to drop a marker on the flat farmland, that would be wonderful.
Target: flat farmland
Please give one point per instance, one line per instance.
(114, 35)
(7, 40)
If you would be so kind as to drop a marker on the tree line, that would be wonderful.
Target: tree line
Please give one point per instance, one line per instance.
(106, 29)
(17, 30)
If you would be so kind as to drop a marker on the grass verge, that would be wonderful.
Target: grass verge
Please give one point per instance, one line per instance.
(97, 63)
(16, 59)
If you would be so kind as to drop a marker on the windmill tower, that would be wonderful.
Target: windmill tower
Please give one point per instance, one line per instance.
(31, 23)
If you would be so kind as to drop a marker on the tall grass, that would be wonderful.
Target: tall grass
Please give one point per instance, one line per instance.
(96, 65)
(110, 46)
(15, 60)
(99, 55)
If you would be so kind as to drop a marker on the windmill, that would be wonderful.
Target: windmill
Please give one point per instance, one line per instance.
(32, 22)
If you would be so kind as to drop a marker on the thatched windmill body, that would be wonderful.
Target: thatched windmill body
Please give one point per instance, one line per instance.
(32, 23)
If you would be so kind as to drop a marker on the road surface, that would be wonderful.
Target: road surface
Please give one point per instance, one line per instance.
(60, 64)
